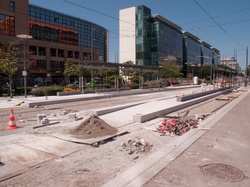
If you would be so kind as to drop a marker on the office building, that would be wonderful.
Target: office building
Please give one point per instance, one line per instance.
(191, 52)
(147, 39)
(55, 38)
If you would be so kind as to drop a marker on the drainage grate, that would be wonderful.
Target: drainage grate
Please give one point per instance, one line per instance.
(223, 172)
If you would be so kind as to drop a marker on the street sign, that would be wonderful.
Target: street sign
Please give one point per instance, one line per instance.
(24, 73)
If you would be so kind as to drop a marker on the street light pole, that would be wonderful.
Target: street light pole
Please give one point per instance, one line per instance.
(24, 73)
(92, 57)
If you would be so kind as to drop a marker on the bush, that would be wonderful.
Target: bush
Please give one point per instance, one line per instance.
(49, 90)
(134, 86)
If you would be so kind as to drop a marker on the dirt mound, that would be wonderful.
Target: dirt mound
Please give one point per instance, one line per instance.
(93, 127)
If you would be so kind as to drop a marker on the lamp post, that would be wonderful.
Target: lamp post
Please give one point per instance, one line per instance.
(24, 72)
(92, 57)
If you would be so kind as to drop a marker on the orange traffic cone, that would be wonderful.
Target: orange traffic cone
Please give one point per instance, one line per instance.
(12, 122)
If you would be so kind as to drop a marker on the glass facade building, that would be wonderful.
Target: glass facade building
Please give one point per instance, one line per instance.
(155, 36)
(167, 40)
(206, 57)
(56, 37)
(191, 52)
(52, 26)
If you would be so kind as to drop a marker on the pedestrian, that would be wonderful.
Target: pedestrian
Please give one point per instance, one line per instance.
(171, 81)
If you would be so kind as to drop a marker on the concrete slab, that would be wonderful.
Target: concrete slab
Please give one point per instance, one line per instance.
(49, 145)
(22, 151)
(150, 110)
(16, 158)
(22, 155)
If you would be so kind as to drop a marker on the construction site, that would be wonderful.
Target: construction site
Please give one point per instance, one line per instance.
(126, 139)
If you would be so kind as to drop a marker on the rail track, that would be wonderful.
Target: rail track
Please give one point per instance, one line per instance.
(28, 115)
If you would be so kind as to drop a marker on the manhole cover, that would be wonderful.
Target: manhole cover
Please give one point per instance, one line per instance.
(223, 172)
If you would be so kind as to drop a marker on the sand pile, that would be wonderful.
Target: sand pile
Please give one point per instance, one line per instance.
(93, 127)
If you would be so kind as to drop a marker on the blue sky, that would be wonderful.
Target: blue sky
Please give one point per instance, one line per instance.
(224, 24)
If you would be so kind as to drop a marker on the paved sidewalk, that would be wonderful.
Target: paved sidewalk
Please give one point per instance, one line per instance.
(219, 158)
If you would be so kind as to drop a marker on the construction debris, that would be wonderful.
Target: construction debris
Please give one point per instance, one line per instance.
(136, 146)
(180, 125)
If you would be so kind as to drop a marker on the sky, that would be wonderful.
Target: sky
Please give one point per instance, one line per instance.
(224, 24)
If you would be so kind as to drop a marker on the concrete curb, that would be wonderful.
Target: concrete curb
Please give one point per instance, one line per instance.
(178, 106)
(67, 99)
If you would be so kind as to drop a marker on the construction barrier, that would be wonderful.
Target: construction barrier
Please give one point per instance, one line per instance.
(12, 121)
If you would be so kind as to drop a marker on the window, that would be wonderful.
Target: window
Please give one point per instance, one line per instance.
(76, 54)
(33, 50)
(42, 51)
(60, 53)
(12, 6)
(70, 54)
(7, 25)
(85, 56)
(56, 19)
(52, 52)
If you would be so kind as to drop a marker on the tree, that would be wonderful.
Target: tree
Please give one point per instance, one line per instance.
(105, 73)
(205, 71)
(126, 73)
(71, 69)
(170, 67)
(9, 61)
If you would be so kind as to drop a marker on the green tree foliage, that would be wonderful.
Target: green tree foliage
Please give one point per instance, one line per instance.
(129, 74)
(9, 58)
(104, 73)
(205, 71)
(71, 69)
(9, 61)
(170, 67)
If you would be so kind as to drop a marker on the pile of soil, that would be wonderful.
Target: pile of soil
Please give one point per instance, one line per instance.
(93, 127)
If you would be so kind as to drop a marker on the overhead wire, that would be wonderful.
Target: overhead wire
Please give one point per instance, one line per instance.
(236, 22)
(84, 7)
(226, 14)
(219, 25)
(216, 23)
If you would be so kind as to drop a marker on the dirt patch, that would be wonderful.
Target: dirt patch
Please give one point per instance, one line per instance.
(93, 127)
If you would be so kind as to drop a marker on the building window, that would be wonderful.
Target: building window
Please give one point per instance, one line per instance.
(7, 25)
(12, 6)
(70, 54)
(33, 50)
(42, 51)
(85, 56)
(60, 53)
(56, 65)
(56, 20)
(52, 52)
(76, 54)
